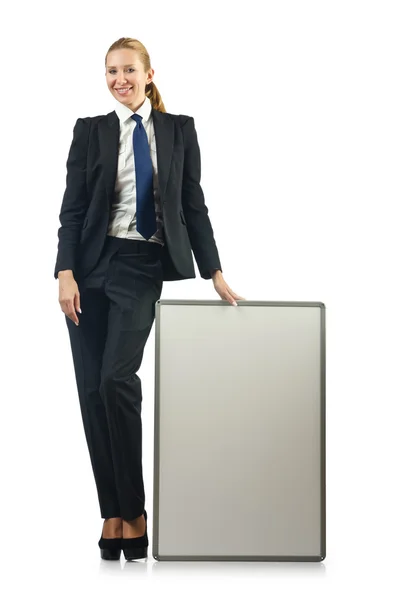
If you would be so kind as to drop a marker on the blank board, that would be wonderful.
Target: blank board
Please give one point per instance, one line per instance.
(239, 444)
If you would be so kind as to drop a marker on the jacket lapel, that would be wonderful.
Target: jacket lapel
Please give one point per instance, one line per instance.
(108, 136)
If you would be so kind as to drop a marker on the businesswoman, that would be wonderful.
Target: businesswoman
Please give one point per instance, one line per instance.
(132, 213)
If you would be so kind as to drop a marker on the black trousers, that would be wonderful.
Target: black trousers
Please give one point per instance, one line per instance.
(118, 305)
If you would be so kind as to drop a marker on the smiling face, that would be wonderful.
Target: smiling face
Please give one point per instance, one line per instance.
(124, 70)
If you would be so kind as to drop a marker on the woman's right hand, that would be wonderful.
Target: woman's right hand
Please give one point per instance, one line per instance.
(69, 295)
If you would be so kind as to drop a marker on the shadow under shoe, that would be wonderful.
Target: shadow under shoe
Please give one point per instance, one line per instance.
(136, 547)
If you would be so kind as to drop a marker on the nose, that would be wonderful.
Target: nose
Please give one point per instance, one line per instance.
(120, 80)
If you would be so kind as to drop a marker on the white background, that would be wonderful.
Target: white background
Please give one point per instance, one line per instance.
(295, 108)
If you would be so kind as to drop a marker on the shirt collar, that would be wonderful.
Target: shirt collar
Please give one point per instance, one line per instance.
(124, 113)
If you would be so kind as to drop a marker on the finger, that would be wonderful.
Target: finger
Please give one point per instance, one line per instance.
(232, 297)
(72, 314)
(77, 302)
(73, 317)
(68, 308)
(227, 298)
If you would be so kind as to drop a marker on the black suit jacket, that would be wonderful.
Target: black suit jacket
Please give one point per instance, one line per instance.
(90, 183)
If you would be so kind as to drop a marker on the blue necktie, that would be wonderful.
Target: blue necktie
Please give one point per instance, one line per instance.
(145, 210)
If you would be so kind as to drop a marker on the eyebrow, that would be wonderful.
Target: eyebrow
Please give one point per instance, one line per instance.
(114, 67)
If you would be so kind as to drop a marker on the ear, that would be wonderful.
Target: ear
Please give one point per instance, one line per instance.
(150, 75)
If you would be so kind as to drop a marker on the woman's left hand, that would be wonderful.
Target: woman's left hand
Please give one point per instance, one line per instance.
(225, 292)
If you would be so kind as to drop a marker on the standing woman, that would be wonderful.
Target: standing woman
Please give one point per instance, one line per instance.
(132, 213)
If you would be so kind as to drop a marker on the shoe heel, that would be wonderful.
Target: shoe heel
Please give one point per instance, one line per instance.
(135, 553)
(110, 548)
(134, 548)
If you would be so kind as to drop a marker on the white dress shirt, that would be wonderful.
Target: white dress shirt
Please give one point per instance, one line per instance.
(123, 211)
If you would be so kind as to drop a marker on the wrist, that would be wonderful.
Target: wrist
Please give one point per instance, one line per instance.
(63, 274)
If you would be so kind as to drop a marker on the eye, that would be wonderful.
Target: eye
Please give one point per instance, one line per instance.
(113, 70)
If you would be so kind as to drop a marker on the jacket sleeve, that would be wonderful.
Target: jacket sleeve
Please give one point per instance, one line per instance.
(198, 224)
(75, 200)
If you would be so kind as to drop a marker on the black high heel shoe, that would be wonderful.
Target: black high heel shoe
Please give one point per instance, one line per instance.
(136, 547)
(110, 547)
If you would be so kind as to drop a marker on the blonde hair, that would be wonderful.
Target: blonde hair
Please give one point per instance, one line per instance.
(151, 89)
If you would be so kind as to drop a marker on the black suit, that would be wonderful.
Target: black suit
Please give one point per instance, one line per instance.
(92, 167)
(120, 281)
